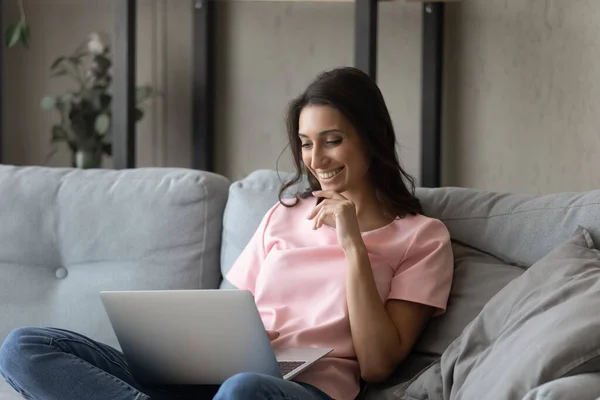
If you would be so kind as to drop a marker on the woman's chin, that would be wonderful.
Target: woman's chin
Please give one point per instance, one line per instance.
(332, 186)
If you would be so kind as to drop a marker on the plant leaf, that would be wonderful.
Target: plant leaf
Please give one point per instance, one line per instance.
(59, 134)
(107, 148)
(66, 97)
(57, 62)
(103, 62)
(25, 36)
(102, 124)
(59, 72)
(48, 103)
(139, 114)
(13, 34)
(142, 93)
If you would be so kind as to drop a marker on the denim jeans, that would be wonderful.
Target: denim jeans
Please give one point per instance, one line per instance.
(50, 363)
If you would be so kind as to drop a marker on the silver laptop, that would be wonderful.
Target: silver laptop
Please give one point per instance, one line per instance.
(196, 337)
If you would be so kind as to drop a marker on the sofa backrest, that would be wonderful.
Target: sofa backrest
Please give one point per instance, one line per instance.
(249, 200)
(516, 228)
(66, 235)
(519, 229)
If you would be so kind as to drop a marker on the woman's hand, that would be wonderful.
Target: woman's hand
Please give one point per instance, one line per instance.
(335, 207)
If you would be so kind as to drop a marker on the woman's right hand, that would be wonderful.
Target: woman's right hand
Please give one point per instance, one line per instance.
(272, 335)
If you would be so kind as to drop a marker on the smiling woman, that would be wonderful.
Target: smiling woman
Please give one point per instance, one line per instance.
(341, 131)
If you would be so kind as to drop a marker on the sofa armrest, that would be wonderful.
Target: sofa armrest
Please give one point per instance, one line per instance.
(68, 234)
(580, 387)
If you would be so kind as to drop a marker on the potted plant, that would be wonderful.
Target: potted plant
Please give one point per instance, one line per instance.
(85, 112)
(18, 32)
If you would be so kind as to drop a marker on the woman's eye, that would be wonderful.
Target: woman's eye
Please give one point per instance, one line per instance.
(334, 142)
(305, 145)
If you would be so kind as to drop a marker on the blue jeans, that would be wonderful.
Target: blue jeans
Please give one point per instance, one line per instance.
(49, 363)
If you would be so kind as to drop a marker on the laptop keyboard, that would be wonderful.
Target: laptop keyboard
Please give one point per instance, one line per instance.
(288, 366)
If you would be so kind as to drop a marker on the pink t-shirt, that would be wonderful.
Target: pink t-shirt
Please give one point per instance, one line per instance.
(298, 278)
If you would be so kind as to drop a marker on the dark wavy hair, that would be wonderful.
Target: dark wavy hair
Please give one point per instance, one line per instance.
(358, 98)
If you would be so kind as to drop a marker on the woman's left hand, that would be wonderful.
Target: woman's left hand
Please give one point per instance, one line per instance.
(342, 211)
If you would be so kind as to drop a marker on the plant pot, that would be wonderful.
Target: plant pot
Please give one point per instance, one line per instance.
(86, 159)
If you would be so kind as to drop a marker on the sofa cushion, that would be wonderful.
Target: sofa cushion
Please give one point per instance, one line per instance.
(66, 235)
(248, 202)
(540, 327)
(519, 229)
(477, 278)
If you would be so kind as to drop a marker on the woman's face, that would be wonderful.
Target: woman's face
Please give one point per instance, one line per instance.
(331, 149)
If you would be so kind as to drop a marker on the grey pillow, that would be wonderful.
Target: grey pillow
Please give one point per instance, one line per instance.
(542, 326)
(477, 277)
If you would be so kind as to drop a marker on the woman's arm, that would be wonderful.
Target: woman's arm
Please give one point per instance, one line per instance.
(383, 335)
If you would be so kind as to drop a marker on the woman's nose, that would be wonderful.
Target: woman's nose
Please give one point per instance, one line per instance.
(319, 158)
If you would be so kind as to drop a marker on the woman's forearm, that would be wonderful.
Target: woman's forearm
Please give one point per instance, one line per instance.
(376, 340)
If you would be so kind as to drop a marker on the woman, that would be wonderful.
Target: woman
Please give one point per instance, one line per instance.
(352, 265)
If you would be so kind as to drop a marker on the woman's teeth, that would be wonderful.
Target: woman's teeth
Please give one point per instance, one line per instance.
(329, 175)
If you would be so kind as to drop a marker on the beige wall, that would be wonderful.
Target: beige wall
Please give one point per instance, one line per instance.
(524, 88)
(521, 100)
(270, 51)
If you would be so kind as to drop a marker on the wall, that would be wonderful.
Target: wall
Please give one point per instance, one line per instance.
(524, 95)
(521, 88)
(270, 51)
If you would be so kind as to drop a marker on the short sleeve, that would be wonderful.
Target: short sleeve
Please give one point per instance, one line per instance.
(425, 273)
(245, 269)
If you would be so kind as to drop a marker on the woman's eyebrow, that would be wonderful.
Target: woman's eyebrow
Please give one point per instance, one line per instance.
(322, 133)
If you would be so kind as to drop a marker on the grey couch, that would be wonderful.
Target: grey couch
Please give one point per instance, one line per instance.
(66, 234)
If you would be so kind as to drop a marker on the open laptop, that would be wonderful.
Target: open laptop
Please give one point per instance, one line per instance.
(197, 337)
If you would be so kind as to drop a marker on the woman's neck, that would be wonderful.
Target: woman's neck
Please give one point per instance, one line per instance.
(369, 210)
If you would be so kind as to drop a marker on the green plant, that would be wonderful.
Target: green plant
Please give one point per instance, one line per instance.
(18, 32)
(85, 111)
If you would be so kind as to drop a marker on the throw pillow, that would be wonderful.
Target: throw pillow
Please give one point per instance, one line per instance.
(540, 327)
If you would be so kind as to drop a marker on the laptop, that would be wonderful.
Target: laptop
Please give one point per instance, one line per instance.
(198, 337)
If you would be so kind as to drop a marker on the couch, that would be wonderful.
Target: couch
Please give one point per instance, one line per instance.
(67, 234)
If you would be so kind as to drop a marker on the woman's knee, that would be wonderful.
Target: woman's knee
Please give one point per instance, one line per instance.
(245, 385)
(14, 349)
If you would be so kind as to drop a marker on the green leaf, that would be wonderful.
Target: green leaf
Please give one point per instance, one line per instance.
(25, 36)
(48, 103)
(75, 60)
(103, 62)
(142, 93)
(57, 62)
(105, 100)
(102, 124)
(139, 114)
(59, 134)
(17, 32)
(66, 97)
(59, 72)
(13, 34)
(107, 148)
